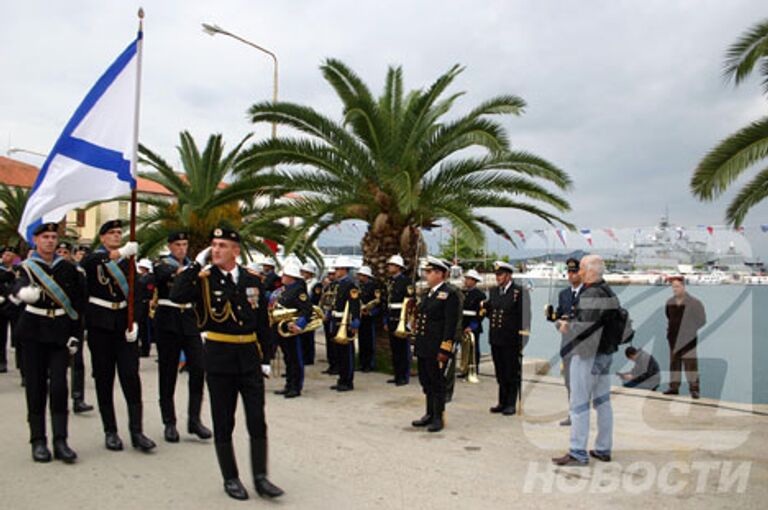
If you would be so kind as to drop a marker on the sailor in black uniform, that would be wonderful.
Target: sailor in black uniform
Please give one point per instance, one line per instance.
(347, 300)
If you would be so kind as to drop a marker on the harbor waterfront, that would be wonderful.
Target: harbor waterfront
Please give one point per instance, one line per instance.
(732, 347)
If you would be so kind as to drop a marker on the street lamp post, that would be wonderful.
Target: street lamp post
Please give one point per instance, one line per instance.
(215, 29)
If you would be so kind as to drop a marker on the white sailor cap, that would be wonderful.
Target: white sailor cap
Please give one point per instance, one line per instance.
(146, 264)
(396, 260)
(436, 263)
(365, 270)
(268, 261)
(474, 275)
(503, 267)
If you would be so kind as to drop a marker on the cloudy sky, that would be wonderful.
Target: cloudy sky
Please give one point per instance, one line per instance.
(625, 95)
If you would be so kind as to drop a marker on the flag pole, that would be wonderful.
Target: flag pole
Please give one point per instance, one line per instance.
(134, 163)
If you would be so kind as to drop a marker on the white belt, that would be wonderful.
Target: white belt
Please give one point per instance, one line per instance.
(396, 306)
(107, 304)
(337, 315)
(180, 306)
(45, 312)
(470, 313)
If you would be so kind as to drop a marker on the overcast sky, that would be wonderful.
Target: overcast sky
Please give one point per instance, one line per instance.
(626, 96)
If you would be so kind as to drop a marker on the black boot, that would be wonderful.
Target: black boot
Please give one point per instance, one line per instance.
(80, 406)
(502, 400)
(138, 439)
(40, 451)
(437, 418)
(427, 418)
(194, 426)
(232, 484)
(264, 487)
(170, 434)
(63, 452)
(113, 442)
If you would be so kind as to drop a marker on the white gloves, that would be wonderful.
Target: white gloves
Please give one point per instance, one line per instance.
(72, 345)
(131, 248)
(133, 334)
(29, 294)
(2, 300)
(202, 257)
(266, 370)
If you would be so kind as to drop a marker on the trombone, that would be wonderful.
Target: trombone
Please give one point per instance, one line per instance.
(468, 357)
(342, 336)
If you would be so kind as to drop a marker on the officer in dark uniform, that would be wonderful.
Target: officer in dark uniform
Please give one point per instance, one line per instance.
(232, 306)
(566, 303)
(370, 299)
(326, 304)
(509, 311)
(399, 287)
(50, 329)
(308, 272)
(347, 299)
(472, 314)
(146, 290)
(111, 344)
(294, 296)
(77, 364)
(176, 330)
(9, 311)
(437, 316)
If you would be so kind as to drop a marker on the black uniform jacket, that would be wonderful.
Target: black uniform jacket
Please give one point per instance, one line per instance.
(169, 318)
(229, 308)
(509, 316)
(437, 316)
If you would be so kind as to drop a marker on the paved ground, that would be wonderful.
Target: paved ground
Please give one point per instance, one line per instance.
(356, 450)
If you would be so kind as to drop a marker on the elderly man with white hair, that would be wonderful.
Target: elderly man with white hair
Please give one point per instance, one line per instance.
(589, 339)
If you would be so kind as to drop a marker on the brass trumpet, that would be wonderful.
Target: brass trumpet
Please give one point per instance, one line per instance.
(370, 305)
(283, 317)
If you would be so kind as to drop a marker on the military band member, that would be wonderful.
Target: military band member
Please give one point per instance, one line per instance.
(272, 280)
(326, 303)
(347, 299)
(315, 290)
(370, 300)
(399, 287)
(146, 290)
(9, 310)
(294, 296)
(77, 364)
(472, 315)
(232, 305)
(437, 316)
(50, 329)
(112, 344)
(176, 331)
(509, 312)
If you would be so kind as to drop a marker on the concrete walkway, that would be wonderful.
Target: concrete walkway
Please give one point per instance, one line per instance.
(357, 450)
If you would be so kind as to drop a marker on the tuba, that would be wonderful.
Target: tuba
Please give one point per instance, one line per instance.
(468, 355)
(283, 317)
(406, 317)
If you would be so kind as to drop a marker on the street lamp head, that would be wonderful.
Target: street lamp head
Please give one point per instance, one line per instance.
(212, 29)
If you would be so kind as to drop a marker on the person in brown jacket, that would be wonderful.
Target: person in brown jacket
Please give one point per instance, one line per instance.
(685, 316)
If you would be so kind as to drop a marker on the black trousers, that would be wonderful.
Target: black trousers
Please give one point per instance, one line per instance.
(331, 351)
(4, 340)
(433, 384)
(169, 347)
(110, 352)
(224, 390)
(401, 356)
(46, 370)
(78, 374)
(507, 362)
(294, 362)
(346, 358)
(146, 334)
(367, 335)
(308, 347)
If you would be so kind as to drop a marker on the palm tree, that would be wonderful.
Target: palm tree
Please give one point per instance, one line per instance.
(12, 202)
(748, 146)
(398, 164)
(202, 200)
